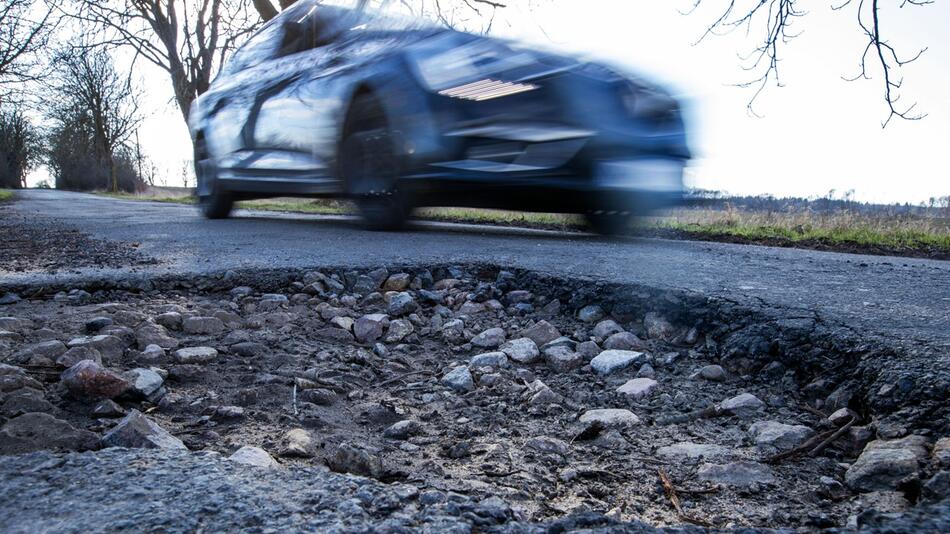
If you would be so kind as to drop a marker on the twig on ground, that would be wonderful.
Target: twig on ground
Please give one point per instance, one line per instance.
(670, 490)
(294, 398)
(814, 411)
(821, 446)
(813, 446)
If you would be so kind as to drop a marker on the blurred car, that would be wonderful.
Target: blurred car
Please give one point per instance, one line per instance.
(329, 101)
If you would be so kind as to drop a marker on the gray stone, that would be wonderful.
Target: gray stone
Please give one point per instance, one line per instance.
(590, 313)
(87, 380)
(12, 324)
(298, 443)
(24, 400)
(203, 325)
(254, 456)
(623, 341)
(241, 291)
(772, 436)
(489, 339)
(522, 350)
(248, 349)
(109, 346)
(611, 417)
(40, 431)
(459, 379)
(657, 327)
(646, 371)
(170, 320)
(153, 334)
(369, 328)
(606, 328)
(638, 388)
(107, 408)
(882, 468)
(941, 452)
(548, 445)
(713, 373)
(545, 395)
(611, 361)
(225, 413)
(146, 383)
(349, 458)
(562, 358)
(152, 354)
(402, 430)
(887, 502)
(453, 331)
(692, 451)
(138, 431)
(195, 355)
(399, 330)
(541, 332)
(96, 324)
(938, 487)
(343, 322)
(588, 350)
(51, 349)
(742, 405)
(9, 298)
(77, 354)
(494, 360)
(396, 282)
(737, 474)
(402, 304)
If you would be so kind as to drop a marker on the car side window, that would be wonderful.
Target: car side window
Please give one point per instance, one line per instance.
(260, 47)
(301, 35)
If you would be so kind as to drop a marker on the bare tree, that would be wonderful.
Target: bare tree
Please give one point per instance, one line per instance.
(773, 21)
(87, 87)
(188, 39)
(20, 148)
(25, 27)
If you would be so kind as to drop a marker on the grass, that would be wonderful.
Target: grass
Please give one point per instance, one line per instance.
(5, 195)
(837, 230)
(843, 228)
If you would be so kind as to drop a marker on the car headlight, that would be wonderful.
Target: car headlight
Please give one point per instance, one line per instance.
(642, 101)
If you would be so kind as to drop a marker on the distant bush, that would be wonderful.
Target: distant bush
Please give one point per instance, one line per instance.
(20, 148)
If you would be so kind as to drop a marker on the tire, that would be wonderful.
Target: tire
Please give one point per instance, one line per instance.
(213, 202)
(609, 223)
(370, 168)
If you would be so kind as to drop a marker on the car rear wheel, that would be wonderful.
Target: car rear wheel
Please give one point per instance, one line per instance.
(370, 168)
(609, 223)
(213, 202)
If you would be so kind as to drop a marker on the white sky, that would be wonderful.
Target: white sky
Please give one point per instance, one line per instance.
(818, 133)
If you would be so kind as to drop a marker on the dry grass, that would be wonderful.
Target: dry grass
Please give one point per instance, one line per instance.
(840, 227)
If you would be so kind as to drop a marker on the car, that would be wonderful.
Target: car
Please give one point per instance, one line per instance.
(332, 101)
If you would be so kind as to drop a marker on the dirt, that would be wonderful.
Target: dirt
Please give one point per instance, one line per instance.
(491, 441)
(30, 244)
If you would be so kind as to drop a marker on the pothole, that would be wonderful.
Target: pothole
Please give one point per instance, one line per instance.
(558, 397)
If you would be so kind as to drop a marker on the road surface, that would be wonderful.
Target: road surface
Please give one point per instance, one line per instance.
(903, 298)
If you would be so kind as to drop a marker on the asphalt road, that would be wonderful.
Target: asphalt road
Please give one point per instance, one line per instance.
(903, 298)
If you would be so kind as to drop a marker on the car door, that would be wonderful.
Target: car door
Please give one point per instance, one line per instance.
(284, 125)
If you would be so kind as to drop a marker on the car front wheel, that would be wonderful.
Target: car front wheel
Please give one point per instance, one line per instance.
(370, 169)
(213, 202)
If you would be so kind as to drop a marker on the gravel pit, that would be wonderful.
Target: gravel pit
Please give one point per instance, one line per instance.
(559, 398)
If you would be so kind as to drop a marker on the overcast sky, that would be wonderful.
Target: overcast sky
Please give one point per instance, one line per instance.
(819, 132)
